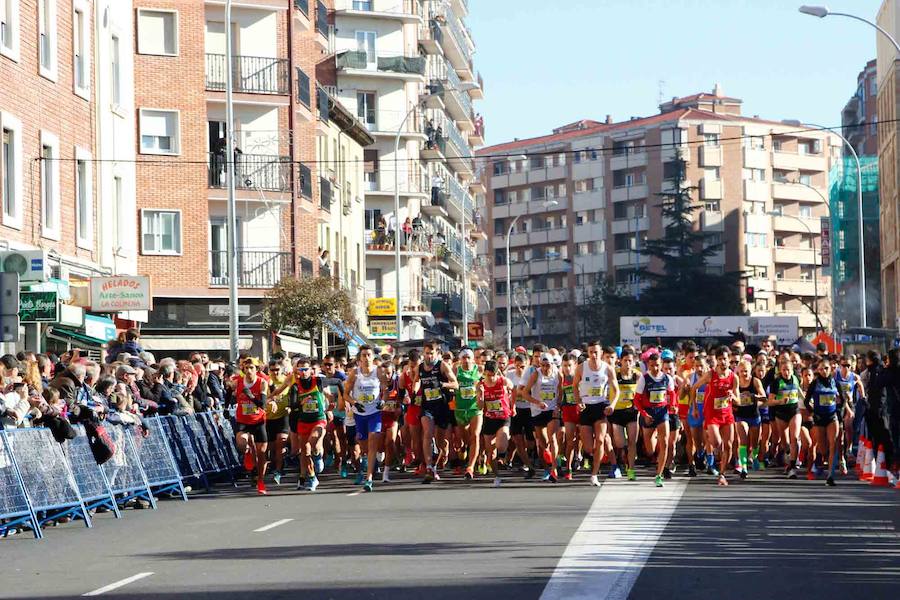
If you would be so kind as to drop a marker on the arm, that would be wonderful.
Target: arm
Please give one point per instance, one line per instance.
(810, 395)
(614, 383)
(526, 391)
(451, 383)
(348, 386)
(640, 397)
(576, 383)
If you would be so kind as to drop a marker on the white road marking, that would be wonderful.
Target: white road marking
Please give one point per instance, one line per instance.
(118, 584)
(613, 542)
(356, 493)
(272, 525)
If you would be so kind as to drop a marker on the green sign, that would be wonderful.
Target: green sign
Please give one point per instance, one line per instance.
(473, 344)
(38, 307)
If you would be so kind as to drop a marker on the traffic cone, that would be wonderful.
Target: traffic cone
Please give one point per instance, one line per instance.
(880, 477)
(860, 454)
(867, 463)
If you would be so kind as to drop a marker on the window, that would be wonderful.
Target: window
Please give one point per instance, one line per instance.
(779, 242)
(805, 179)
(49, 185)
(670, 170)
(842, 239)
(157, 32)
(83, 201)
(711, 139)
(500, 197)
(365, 109)
(81, 49)
(754, 174)
(159, 131)
(500, 287)
(370, 169)
(9, 29)
(499, 257)
(117, 225)
(11, 170)
(755, 142)
(47, 38)
(160, 231)
(537, 162)
(806, 211)
(762, 304)
(712, 206)
(115, 70)
(777, 145)
(499, 227)
(501, 167)
(365, 42)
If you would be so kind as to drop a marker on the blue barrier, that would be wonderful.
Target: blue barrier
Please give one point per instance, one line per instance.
(184, 454)
(124, 471)
(157, 460)
(90, 478)
(228, 441)
(49, 483)
(194, 435)
(15, 510)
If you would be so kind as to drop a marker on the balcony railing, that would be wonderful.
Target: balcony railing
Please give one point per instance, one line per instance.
(325, 193)
(394, 7)
(249, 74)
(252, 172)
(256, 268)
(389, 62)
(383, 240)
(321, 18)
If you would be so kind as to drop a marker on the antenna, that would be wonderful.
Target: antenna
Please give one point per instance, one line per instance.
(661, 90)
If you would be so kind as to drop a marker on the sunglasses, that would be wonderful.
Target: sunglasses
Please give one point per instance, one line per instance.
(327, 364)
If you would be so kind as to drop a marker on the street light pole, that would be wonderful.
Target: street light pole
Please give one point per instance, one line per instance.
(231, 164)
(465, 294)
(815, 270)
(397, 220)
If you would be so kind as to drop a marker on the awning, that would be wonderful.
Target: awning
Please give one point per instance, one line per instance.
(294, 345)
(69, 336)
(348, 334)
(190, 344)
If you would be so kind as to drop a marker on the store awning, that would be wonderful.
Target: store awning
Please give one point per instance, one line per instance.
(69, 336)
(294, 345)
(348, 334)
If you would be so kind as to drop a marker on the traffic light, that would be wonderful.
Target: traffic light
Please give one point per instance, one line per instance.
(751, 294)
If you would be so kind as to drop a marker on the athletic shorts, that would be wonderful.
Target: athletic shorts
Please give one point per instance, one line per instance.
(674, 422)
(593, 413)
(350, 432)
(277, 426)
(258, 431)
(293, 419)
(438, 412)
(492, 426)
(683, 411)
(414, 415)
(542, 420)
(338, 420)
(824, 420)
(698, 422)
(570, 413)
(624, 417)
(783, 412)
(806, 424)
(751, 421)
(658, 416)
(520, 424)
(389, 418)
(465, 415)
(305, 429)
(764, 415)
(366, 424)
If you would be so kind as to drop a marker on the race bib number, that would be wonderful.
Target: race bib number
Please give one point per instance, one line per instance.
(700, 396)
(627, 393)
(721, 402)
(658, 397)
(596, 391)
(548, 396)
(366, 398)
(248, 409)
(391, 406)
(826, 399)
(432, 394)
(569, 397)
(467, 393)
(494, 406)
(310, 405)
(745, 399)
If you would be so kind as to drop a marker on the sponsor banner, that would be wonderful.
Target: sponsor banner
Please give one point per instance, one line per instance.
(382, 307)
(632, 329)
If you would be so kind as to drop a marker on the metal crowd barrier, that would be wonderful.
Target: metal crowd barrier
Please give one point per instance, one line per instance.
(42, 480)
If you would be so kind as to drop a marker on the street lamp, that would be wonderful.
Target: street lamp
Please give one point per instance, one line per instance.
(463, 88)
(822, 12)
(546, 204)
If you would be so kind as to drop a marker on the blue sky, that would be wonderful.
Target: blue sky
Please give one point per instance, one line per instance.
(550, 62)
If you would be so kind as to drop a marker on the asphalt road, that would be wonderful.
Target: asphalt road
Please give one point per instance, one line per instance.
(757, 539)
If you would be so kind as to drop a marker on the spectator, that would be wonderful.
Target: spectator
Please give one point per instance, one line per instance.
(14, 405)
(71, 386)
(216, 390)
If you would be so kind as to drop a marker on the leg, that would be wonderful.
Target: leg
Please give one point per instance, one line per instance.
(374, 443)
(793, 431)
(427, 439)
(632, 432)
(662, 432)
(599, 431)
(727, 433)
(714, 435)
(474, 434)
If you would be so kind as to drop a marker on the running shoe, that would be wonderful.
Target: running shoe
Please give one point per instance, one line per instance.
(585, 464)
(743, 473)
(329, 460)
(261, 488)
(843, 466)
(658, 481)
(810, 476)
(667, 473)
(457, 470)
(830, 481)
(469, 474)
(420, 470)
(360, 477)
(435, 475)
(553, 478)
(313, 484)
(276, 475)
(368, 487)
(483, 470)
(692, 471)
(792, 474)
(615, 473)
(546, 476)
(722, 481)
(594, 481)
(529, 473)
(568, 476)
(632, 476)
(713, 471)
(756, 464)
(497, 482)
(344, 472)
(548, 458)
(385, 475)
(318, 463)
(429, 476)
(673, 469)
(407, 459)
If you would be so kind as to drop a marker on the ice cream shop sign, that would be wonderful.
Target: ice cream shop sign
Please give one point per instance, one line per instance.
(120, 293)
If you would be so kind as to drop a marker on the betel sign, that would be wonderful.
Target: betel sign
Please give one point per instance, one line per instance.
(38, 307)
(120, 293)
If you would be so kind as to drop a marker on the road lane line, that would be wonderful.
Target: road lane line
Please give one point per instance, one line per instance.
(118, 584)
(613, 542)
(356, 493)
(272, 525)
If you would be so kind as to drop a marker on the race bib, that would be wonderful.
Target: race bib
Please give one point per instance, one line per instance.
(467, 393)
(569, 397)
(432, 394)
(494, 406)
(745, 399)
(391, 406)
(595, 391)
(548, 396)
(310, 405)
(721, 402)
(366, 398)
(658, 397)
(700, 396)
(826, 399)
(248, 409)
(628, 393)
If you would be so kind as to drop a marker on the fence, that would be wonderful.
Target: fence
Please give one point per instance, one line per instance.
(42, 480)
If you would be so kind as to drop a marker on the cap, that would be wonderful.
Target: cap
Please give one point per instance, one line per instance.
(213, 366)
(125, 370)
(667, 354)
(467, 352)
(520, 349)
(576, 352)
(545, 357)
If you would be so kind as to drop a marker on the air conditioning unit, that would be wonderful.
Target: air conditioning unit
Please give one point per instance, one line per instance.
(31, 265)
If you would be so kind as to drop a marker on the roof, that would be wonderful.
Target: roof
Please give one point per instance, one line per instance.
(701, 96)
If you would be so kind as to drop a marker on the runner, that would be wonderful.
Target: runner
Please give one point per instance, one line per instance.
(688, 365)
(494, 397)
(695, 421)
(334, 390)
(250, 392)
(468, 413)
(822, 399)
(570, 413)
(591, 384)
(520, 426)
(390, 415)
(784, 396)
(668, 358)
(434, 378)
(365, 390)
(746, 410)
(277, 427)
(543, 390)
(851, 391)
(654, 392)
(308, 400)
(624, 419)
(409, 381)
(722, 391)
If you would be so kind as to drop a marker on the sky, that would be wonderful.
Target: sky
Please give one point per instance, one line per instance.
(550, 62)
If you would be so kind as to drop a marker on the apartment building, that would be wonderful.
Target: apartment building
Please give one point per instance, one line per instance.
(859, 118)
(66, 172)
(582, 201)
(888, 159)
(283, 192)
(405, 69)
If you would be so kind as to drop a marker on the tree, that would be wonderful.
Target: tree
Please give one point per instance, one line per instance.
(601, 311)
(304, 304)
(683, 276)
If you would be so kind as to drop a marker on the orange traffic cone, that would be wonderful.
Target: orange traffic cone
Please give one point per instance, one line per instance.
(867, 463)
(860, 454)
(880, 477)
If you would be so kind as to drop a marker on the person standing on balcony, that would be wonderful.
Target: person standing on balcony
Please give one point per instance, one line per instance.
(437, 184)
(407, 232)
(324, 265)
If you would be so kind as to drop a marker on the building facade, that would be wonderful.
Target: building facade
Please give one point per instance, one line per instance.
(66, 115)
(405, 69)
(581, 201)
(859, 118)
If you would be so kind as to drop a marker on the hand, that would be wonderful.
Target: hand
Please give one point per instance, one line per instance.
(648, 421)
(543, 405)
(359, 407)
(695, 412)
(608, 410)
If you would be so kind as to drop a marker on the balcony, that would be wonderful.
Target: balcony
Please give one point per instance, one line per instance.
(630, 225)
(629, 192)
(380, 243)
(710, 156)
(590, 263)
(458, 45)
(801, 287)
(589, 232)
(628, 158)
(387, 122)
(411, 181)
(624, 258)
(458, 102)
(756, 190)
(801, 256)
(795, 191)
(554, 235)
(712, 220)
(249, 74)
(431, 37)
(534, 207)
(459, 198)
(797, 224)
(381, 64)
(755, 158)
(793, 161)
(252, 172)
(398, 10)
(757, 257)
(710, 189)
(256, 268)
